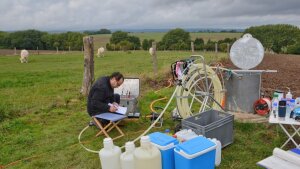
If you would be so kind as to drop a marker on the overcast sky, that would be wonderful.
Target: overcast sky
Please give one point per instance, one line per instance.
(140, 14)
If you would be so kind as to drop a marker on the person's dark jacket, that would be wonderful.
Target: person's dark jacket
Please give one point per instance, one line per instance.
(100, 95)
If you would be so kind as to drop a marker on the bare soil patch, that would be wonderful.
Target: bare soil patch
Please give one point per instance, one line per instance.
(288, 67)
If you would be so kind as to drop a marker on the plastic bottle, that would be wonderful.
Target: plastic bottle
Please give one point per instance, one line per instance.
(279, 94)
(147, 156)
(288, 98)
(289, 95)
(127, 158)
(218, 151)
(292, 107)
(275, 102)
(110, 155)
(167, 132)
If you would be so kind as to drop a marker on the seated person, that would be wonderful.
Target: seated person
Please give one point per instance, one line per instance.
(102, 93)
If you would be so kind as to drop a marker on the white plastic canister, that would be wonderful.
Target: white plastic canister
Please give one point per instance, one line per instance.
(127, 158)
(185, 134)
(147, 156)
(110, 155)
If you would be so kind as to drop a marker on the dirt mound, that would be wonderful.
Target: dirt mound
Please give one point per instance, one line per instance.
(287, 75)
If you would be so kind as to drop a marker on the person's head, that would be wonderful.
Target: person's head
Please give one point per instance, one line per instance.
(116, 79)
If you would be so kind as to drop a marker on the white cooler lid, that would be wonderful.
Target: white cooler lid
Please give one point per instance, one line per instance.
(195, 147)
(163, 141)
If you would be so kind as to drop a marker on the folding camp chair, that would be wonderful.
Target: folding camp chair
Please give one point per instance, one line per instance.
(114, 120)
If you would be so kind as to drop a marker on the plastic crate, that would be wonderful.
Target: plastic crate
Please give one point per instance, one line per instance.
(212, 124)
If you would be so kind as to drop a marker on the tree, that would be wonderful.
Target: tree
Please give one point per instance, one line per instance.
(210, 45)
(126, 45)
(294, 49)
(176, 38)
(275, 37)
(118, 36)
(104, 31)
(28, 39)
(135, 41)
(199, 41)
(101, 31)
(145, 44)
(5, 41)
(199, 44)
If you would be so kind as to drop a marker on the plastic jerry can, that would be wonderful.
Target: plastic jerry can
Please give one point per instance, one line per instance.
(110, 155)
(184, 135)
(127, 158)
(147, 156)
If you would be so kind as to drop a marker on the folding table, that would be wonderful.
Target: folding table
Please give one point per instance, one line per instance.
(286, 121)
(113, 118)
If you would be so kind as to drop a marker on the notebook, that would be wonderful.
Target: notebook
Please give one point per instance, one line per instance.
(120, 109)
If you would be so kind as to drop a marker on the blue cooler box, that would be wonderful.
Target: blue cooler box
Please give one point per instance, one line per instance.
(197, 153)
(165, 144)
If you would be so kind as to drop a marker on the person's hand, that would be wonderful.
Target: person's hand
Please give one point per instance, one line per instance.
(113, 108)
(115, 104)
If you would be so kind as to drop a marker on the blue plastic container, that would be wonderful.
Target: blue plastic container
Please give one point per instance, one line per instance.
(165, 144)
(197, 153)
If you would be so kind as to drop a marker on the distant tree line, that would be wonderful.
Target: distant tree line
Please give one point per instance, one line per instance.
(280, 38)
(176, 39)
(31, 39)
(101, 31)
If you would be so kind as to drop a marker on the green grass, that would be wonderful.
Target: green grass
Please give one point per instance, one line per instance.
(102, 39)
(42, 112)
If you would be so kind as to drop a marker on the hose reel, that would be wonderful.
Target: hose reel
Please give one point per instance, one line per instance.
(199, 89)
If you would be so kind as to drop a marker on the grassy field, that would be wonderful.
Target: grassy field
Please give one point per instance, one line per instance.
(101, 40)
(42, 111)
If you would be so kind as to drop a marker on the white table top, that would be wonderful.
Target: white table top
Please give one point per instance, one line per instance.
(282, 120)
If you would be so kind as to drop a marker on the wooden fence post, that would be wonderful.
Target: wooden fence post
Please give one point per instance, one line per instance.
(216, 49)
(192, 47)
(228, 49)
(154, 58)
(88, 74)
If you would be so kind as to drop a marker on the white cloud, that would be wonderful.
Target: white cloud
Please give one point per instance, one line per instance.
(113, 14)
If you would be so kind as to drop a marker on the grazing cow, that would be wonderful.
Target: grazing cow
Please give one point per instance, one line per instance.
(100, 52)
(24, 56)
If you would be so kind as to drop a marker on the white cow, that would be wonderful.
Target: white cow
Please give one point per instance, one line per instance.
(151, 51)
(24, 56)
(100, 52)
